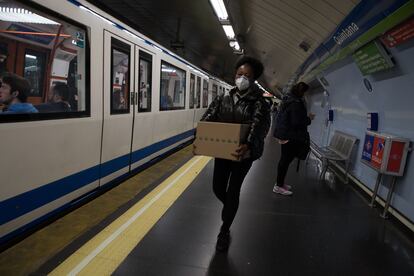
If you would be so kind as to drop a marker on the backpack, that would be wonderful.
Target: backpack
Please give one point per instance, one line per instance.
(282, 126)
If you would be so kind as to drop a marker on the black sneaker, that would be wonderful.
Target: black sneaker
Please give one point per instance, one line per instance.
(223, 241)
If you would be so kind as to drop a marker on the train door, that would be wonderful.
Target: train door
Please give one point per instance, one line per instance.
(197, 111)
(142, 137)
(118, 107)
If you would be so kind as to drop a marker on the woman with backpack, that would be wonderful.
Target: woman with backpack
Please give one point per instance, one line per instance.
(291, 130)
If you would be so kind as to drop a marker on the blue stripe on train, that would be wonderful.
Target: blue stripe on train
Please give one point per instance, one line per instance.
(19, 205)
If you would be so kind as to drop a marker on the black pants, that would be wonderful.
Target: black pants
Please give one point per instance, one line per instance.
(227, 180)
(289, 152)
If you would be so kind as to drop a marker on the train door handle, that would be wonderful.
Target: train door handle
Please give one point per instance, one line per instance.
(132, 97)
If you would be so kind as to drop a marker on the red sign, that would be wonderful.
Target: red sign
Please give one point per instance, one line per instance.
(399, 34)
(377, 152)
(394, 159)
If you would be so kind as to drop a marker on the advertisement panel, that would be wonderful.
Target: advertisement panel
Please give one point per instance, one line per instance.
(368, 145)
(399, 34)
(385, 153)
(378, 152)
(395, 156)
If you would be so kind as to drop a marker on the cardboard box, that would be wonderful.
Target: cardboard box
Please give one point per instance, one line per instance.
(220, 139)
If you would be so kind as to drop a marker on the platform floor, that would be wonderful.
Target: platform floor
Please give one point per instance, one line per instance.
(323, 229)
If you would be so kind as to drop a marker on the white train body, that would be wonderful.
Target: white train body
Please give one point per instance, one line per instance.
(50, 161)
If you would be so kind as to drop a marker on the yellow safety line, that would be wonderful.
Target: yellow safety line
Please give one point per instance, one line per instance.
(103, 253)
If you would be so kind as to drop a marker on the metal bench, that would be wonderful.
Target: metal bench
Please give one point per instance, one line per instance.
(339, 149)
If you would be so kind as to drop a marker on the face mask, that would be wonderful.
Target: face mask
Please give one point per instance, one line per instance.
(242, 83)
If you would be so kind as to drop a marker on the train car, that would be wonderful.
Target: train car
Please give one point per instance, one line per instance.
(217, 87)
(105, 101)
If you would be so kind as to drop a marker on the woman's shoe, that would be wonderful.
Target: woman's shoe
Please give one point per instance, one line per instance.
(281, 190)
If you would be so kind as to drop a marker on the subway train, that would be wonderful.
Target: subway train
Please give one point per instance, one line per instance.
(106, 101)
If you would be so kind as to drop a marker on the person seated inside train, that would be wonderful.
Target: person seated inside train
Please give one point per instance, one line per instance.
(3, 59)
(13, 95)
(58, 101)
(166, 101)
(73, 98)
(118, 100)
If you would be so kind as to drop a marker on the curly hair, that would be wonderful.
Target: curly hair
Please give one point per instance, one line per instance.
(256, 65)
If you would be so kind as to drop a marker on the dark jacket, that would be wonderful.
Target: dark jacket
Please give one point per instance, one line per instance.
(250, 109)
(292, 120)
(53, 107)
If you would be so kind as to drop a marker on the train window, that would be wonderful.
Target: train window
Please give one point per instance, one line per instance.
(205, 93)
(214, 92)
(172, 91)
(120, 63)
(44, 61)
(34, 66)
(145, 82)
(198, 93)
(192, 86)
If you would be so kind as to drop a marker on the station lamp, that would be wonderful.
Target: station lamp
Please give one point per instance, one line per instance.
(223, 17)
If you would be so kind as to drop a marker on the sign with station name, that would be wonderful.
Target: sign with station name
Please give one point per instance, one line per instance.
(372, 58)
(399, 34)
(345, 33)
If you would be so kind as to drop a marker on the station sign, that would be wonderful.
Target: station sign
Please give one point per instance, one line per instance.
(372, 58)
(399, 34)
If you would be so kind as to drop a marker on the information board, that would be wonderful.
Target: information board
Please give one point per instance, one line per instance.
(372, 58)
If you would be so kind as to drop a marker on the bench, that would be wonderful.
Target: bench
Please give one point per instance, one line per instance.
(339, 149)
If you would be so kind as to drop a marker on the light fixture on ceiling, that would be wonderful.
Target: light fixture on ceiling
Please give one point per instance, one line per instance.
(223, 17)
(168, 70)
(228, 29)
(23, 16)
(30, 56)
(234, 44)
(220, 9)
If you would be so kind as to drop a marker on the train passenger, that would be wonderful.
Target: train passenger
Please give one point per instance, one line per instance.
(243, 104)
(13, 94)
(3, 59)
(73, 98)
(292, 133)
(118, 100)
(61, 96)
(58, 100)
(166, 102)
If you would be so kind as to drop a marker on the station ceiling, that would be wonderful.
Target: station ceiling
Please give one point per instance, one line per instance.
(270, 30)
